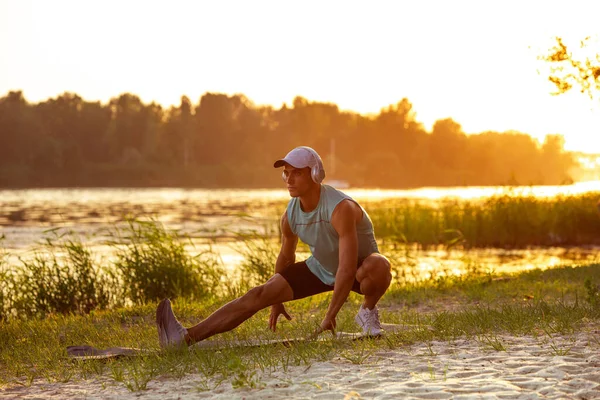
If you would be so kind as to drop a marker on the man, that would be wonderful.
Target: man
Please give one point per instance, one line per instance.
(344, 258)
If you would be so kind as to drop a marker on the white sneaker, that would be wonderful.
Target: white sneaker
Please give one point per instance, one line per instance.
(170, 331)
(368, 320)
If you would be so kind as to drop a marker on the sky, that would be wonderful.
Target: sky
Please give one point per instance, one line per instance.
(473, 61)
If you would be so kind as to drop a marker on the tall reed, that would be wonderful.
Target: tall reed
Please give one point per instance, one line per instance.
(503, 221)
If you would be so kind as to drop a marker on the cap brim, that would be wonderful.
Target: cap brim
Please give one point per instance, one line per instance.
(283, 162)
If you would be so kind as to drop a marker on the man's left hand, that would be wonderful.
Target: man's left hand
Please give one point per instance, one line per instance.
(328, 324)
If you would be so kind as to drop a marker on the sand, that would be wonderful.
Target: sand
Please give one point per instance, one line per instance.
(561, 367)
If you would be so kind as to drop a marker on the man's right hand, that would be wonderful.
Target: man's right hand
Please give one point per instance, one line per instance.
(276, 310)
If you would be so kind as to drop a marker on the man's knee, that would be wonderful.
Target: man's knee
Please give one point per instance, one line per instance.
(377, 268)
(275, 290)
(255, 294)
(253, 299)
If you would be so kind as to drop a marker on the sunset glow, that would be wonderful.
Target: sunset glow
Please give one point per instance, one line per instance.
(473, 61)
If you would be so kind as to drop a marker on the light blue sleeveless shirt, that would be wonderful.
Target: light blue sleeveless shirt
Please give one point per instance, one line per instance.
(315, 229)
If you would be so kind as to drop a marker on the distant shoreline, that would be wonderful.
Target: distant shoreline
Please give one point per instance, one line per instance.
(273, 187)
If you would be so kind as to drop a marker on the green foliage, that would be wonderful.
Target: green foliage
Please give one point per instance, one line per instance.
(59, 278)
(154, 264)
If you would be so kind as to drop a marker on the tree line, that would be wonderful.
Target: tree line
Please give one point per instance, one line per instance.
(228, 141)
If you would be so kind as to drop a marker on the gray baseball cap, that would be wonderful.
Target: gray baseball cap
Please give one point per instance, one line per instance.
(300, 157)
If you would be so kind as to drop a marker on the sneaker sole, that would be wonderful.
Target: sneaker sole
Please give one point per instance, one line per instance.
(164, 311)
(160, 312)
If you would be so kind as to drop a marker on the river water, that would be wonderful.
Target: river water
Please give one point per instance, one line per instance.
(207, 214)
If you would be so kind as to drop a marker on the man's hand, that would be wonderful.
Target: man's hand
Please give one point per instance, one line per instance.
(276, 310)
(328, 324)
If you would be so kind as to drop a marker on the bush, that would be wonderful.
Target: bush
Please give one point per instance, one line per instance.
(153, 264)
(70, 283)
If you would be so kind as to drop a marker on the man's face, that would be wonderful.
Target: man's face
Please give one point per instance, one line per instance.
(298, 180)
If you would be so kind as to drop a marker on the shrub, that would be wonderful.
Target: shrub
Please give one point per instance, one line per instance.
(153, 264)
(68, 283)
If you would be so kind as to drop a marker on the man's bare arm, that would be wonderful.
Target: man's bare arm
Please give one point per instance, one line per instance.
(287, 256)
(289, 242)
(344, 221)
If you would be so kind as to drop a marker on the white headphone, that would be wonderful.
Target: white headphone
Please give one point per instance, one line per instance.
(317, 172)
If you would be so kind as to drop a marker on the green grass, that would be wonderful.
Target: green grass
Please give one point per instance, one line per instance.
(481, 307)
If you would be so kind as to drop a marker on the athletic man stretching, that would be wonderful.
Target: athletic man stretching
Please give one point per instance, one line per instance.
(344, 257)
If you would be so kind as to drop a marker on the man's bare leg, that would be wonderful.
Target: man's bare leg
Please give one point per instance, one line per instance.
(374, 277)
(275, 290)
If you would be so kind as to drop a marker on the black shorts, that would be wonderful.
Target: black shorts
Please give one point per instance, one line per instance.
(304, 283)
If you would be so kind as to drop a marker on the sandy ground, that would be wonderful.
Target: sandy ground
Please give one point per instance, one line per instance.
(561, 367)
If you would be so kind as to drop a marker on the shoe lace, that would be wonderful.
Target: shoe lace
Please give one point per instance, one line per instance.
(372, 317)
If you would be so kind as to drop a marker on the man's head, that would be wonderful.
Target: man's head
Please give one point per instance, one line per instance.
(303, 169)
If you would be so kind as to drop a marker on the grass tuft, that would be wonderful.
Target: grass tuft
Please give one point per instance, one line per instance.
(153, 264)
(60, 278)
